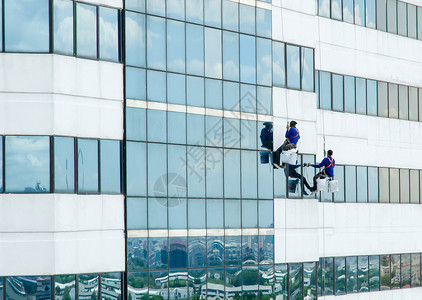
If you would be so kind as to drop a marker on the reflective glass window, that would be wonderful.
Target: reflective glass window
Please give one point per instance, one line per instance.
(178, 258)
(230, 15)
(361, 96)
(196, 213)
(265, 182)
(310, 280)
(157, 170)
(317, 87)
(156, 43)
(213, 55)
(196, 171)
(295, 281)
(363, 280)
(371, 14)
(382, 15)
(281, 281)
(374, 273)
(328, 275)
(404, 186)
(384, 183)
(214, 173)
(195, 11)
(230, 54)
(414, 186)
(403, 102)
(263, 22)
(247, 59)
(249, 174)
(176, 9)
(338, 99)
(86, 30)
(248, 104)
(231, 133)
(264, 71)
(307, 69)
(266, 249)
(176, 127)
(279, 67)
(371, 97)
(362, 184)
(385, 272)
(1, 30)
(156, 7)
(156, 125)
(293, 67)
(360, 12)
(156, 285)
(213, 93)
(420, 99)
(264, 100)
(394, 186)
(87, 286)
(137, 281)
(372, 184)
(64, 165)
(339, 175)
(109, 33)
(178, 287)
(110, 166)
(194, 49)
(411, 21)
(249, 214)
(157, 214)
(247, 18)
(157, 253)
(136, 165)
(324, 8)
(395, 271)
(195, 93)
(136, 83)
(156, 86)
(266, 213)
(340, 275)
(336, 9)
(419, 17)
(319, 277)
(350, 183)
(63, 26)
(402, 18)
(231, 97)
(197, 252)
(266, 284)
(352, 274)
(87, 166)
(214, 131)
(280, 186)
(415, 277)
(325, 90)
(26, 25)
(175, 46)
(136, 213)
(176, 88)
(64, 287)
(197, 280)
(382, 93)
(348, 11)
(392, 16)
(231, 173)
(250, 249)
(405, 271)
(216, 279)
(111, 283)
(420, 185)
(1, 165)
(215, 256)
(232, 217)
(137, 5)
(413, 104)
(177, 211)
(212, 13)
(349, 94)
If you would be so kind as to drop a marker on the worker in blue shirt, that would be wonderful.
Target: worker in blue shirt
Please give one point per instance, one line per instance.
(328, 163)
(267, 136)
(292, 137)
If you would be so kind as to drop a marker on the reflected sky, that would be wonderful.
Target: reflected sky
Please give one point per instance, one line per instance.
(109, 34)
(86, 32)
(63, 26)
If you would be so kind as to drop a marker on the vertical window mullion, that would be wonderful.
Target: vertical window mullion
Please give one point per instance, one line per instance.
(99, 165)
(75, 32)
(97, 10)
(52, 178)
(4, 164)
(76, 162)
(51, 25)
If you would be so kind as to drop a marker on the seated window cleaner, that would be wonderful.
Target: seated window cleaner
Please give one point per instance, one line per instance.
(328, 163)
(289, 147)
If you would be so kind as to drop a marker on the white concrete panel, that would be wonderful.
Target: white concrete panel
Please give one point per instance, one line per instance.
(279, 246)
(279, 213)
(113, 3)
(303, 6)
(277, 25)
(298, 27)
(301, 213)
(301, 245)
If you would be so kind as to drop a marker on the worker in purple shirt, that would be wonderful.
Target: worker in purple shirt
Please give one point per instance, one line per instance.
(328, 163)
(292, 137)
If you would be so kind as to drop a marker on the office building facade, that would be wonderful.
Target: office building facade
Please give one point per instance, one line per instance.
(132, 165)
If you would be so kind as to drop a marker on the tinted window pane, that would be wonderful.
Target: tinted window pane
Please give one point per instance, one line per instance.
(231, 173)
(395, 271)
(247, 59)
(374, 273)
(338, 101)
(156, 7)
(1, 165)
(307, 69)
(349, 94)
(88, 286)
(403, 102)
(195, 94)
(411, 21)
(135, 83)
(279, 73)
(363, 285)
(370, 13)
(360, 95)
(325, 90)
(196, 171)
(249, 174)
(213, 55)
(158, 254)
(231, 133)
(232, 215)
(135, 39)
(293, 67)
(419, 23)
(348, 13)
(382, 15)
(110, 167)
(350, 184)
(371, 97)
(63, 26)
(178, 258)
(137, 5)
(263, 22)
(64, 165)
(137, 213)
(230, 15)
(339, 175)
(230, 55)
(405, 271)
(213, 93)
(310, 280)
(352, 274)
(385, 272)
(295, 281)
(27, 164)
(156, 43)
(196, 213)
(157, 214)
(420, 99)
(214, 172)
(156, 86)
(176, 88)
(404, 186)
(328, 275)
(247, 18)
(248, 104)
(27, 287)
(281, 281)
(265, 183)
(360, 12)
(176, 9)
(175, 46)
(392, 16)
(249, 214)
(414, 186)
(87, 166)
(382, 99)
(266, 214)
(156, 124)
(340, 275)
(212, 13)
(413, 104)
(231, 96)
(194, 49)
(264, 100)
(157, 170)
(336, 9)
(372, 184)
(64, 286)
(402, 18)
(138, 281)
(195, 11)
(384, 184)
(214, 131)
(324, 8)
(394, 186)
(109, 34)
(362, 181)
(415, 269)
(86, 30)
(264, 71)
(176, 127)
(215, 257)
(26, 25)
(136, 180)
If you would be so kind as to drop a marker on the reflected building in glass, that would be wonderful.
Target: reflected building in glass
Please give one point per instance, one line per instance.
(139, 138)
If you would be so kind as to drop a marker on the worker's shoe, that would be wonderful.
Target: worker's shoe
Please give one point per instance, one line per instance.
(276, 166)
